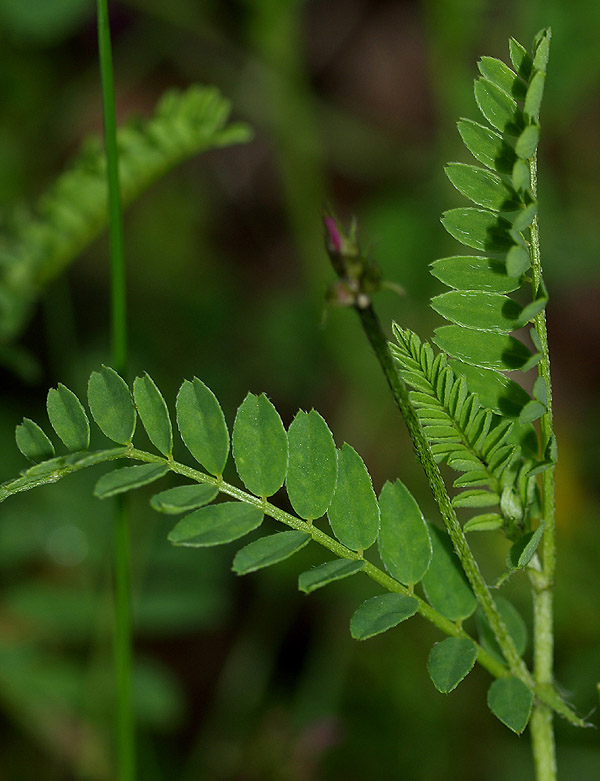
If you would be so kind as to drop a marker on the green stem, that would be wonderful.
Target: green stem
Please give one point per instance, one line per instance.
(376, 337)
(542, 582)
(123, 640)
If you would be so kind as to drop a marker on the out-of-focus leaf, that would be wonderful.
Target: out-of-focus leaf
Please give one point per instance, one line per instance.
(535, 93)
(527, 142)
(517, 629)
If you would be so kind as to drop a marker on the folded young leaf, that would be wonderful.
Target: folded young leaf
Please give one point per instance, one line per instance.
(111, 405)
(510, 701)
(484, 523)
(474, 273)
(183, 498)
(269, 550)
(354, 512)
(404, 543)
(153, 413)
(381, 613)
(450, 662)
(118, 481)
(312, 468)
(523, 550)
(33, 442)
(216, 524)
(260, 446)
(320, 576)
(202, 425)
(445, 583)
(476, 498)
(68, 418)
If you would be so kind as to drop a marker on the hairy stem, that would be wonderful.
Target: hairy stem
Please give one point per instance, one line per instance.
(542, 583)
(123, 640)
(376, 337)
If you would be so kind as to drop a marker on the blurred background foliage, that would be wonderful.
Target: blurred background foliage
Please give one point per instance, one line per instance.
(355, 103)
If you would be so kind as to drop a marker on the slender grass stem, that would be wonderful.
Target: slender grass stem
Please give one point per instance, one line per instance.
(542, 583)
(123, 641)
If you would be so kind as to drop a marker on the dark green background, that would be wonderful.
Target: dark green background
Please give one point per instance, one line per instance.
(355, 103)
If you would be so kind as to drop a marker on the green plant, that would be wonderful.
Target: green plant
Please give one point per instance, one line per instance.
(460, 408)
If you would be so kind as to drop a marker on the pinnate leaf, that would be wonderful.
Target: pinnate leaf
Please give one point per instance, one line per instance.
(260, 446)
(111, 405)
(450, 662)
(486, 350)
(479, 229)
(474, 273)
(68, 418)
(381, 613)
(153, 413)
(202, 425)
(183, 498)
(118, 481)
(354, 512)
(510, 701)
(326, 573)
(312, 468)
(445, 583)
(404, 543)
(269, 550)
(216, 524)
(33, 442)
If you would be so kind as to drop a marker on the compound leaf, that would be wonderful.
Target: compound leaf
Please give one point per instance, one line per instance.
(312, 467)
(260, 446)
(68, 418)
(111, 405)
(445, 583)
(354, 512)
(450, 662)
(404, 543)
(269, 550)
(33, 442)
(216, 524)
(118, 481)
(381, 613)
(153, 413)
(183, 498)
(510, 701)
(202, 425)
(330, 571)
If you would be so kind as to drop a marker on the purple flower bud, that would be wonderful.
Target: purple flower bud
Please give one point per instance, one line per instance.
(334, 238)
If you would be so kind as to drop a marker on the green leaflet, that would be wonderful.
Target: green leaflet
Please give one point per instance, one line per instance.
(510, 701)
(111, 405)
(517, 261)
(183, 498)
(153, 413)
(484, 523)
(450, 662)
(269, 550)
(260, 446)
(404, 543)
(479, 310)
(487, 146)
(32, 441)
(479, 229)
(517, 629)
(497, 392)
(486, 350)
(499, 108)
(520, 58)
(68, 418)
(445, 583)
(216, 524)
(118, 481)
(320, 576)
(535, 93)
(354, 512)
(381, 613)
(312, 467)
(475, 273)
(527, 142)
(202, 425)
(483, 187)
(523, 550)
(502, 76)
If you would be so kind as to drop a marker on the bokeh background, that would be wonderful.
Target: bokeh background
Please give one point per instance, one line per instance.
(354, 103)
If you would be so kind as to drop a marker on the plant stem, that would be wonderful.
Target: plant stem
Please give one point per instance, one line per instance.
(376, 337)
(123, 640)
(542, 582)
